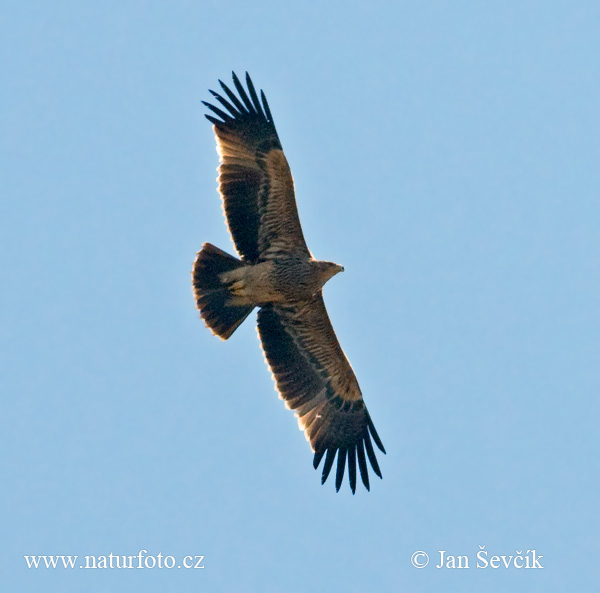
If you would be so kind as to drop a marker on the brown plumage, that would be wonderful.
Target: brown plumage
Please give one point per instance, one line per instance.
(278, 274)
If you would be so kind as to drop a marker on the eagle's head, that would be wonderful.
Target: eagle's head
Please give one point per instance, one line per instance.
(328, 270)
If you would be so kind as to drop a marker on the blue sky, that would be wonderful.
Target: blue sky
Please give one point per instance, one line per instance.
(445, 153)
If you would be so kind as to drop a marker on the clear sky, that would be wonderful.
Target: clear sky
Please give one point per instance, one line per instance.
(446, 153)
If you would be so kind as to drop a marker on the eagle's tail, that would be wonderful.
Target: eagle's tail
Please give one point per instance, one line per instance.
(212, 295)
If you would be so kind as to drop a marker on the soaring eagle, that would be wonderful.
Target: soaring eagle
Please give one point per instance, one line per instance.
(278, 274)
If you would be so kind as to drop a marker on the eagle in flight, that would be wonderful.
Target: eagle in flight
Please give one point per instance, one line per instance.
(277, 273)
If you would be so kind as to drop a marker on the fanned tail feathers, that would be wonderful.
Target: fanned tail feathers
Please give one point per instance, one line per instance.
(212, 295)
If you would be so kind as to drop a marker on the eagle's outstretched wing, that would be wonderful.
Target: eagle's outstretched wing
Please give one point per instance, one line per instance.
(316, 380)
(255, 181)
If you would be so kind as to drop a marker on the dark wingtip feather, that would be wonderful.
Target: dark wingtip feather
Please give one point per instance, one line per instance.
(266, 106)
(375, 436)
(253, 94)
(371, 455)
(242, 92)
(362, 464)
(236, 80)
(233, 98)
(352, 468)
(341, 466)
(327, 465)
(317, 458)
(224, 116)
(225, 103)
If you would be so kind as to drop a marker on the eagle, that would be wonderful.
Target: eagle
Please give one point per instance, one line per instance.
(277, 273)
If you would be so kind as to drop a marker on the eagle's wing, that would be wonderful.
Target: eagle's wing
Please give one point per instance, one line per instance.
(255, 181)
(316, 380)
